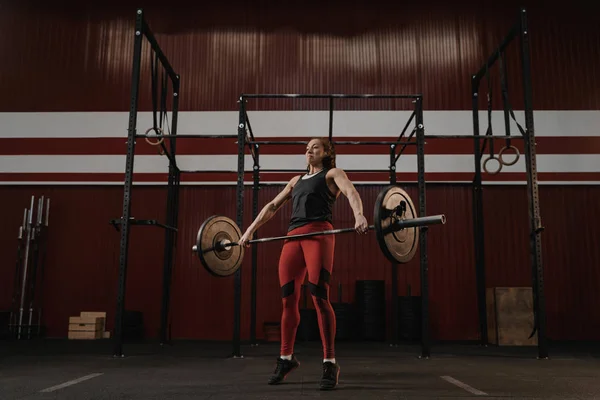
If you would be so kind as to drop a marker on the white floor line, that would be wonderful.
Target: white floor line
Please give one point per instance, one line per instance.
(69, 383)
(463, 385)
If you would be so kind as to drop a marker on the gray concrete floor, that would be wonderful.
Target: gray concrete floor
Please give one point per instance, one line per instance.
(188, 370)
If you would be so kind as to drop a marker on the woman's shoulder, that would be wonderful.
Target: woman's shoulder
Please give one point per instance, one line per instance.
(335, 171)
(294, 180)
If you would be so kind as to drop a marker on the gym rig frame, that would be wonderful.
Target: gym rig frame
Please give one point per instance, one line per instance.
(245, 138)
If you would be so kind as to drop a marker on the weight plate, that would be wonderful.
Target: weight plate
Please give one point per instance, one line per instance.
(397, 245)
(219, 262)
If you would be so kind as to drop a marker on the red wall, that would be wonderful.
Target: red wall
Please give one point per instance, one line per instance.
(83, 250)
(78, 57)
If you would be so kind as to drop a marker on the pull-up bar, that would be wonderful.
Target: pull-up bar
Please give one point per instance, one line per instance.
(331, 96)
(343, 142)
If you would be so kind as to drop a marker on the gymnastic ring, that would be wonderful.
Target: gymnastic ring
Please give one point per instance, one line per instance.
(159, 132)
(501, 153)
(485, 165)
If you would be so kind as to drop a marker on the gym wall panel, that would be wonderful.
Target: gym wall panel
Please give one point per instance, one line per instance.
(73, 57)
(572, 256)
(79, 57)
(569, 253)
(81, 268)
(83, 251)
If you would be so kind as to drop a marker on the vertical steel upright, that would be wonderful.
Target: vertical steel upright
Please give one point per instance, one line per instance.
(237, 297)
(172, 217)
(125, 225)
(478, 227)
(425, 334)
(535, 221)
(255, 191)
(394, 266)
(331, 118)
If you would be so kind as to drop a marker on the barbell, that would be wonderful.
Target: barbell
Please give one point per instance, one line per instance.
(395, 223)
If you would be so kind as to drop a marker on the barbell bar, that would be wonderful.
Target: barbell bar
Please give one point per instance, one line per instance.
(395, 223)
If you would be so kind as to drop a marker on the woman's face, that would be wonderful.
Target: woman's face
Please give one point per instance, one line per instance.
(315, 152)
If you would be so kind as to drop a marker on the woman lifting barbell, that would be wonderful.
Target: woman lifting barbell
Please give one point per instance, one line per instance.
(312, 195)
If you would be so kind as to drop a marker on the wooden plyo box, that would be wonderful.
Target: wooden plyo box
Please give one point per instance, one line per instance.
(88, 325)
(510, 317)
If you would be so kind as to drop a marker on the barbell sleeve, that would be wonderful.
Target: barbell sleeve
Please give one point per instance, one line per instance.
(420, 221)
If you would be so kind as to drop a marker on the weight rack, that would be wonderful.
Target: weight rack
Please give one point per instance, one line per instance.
(27, 298)
(246, 137)
(518, 32)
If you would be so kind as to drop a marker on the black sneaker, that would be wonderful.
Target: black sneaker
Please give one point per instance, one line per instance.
(283, 368)
(331, 374)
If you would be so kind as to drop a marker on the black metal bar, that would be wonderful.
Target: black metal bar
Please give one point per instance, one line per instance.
(327, 96)
(237, 301)
(273, 183)
(412, 115)
(190, 136)
(298, 170)
(485, 142)
(342, 142)
(125, 218)
(172, 220)
(331, 118)
(535, 219)
(482, 137)
(360, 171)
(283, 183)
(177, 193)
(505, 103)
(249, 127)
(253, 289)
(478, 227)
(374, 143)
(149, 222)
(278, 142)
(425, 333)
(146, 31)
(167, 257)
(404, 146)
(209, 171)
(514, 31)
(175, 116)
(215, 171)
(394, 266)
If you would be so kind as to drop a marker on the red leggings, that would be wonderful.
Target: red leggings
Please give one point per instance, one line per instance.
(315, 256)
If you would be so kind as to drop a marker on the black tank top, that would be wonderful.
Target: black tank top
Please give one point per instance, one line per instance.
(311, 200)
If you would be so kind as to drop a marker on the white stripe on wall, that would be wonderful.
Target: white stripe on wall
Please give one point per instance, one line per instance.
(362, 124)
(159, 164)
(249, 183)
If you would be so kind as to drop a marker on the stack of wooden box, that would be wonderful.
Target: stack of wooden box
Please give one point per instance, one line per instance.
(88, 325)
